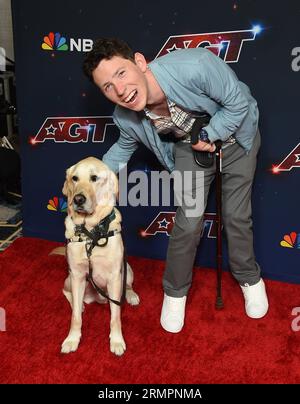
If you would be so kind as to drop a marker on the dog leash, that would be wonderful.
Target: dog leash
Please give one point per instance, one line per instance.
(89, 277)
(100, 231)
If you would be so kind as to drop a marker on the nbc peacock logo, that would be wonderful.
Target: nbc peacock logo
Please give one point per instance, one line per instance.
(54, 41)
(57, 204)
(291, 240)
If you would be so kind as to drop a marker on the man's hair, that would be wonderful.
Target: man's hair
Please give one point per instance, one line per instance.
(105, 48)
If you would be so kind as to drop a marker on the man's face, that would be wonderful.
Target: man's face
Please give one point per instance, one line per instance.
(123, 82)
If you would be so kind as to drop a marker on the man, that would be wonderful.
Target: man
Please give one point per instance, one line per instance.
(163, 96)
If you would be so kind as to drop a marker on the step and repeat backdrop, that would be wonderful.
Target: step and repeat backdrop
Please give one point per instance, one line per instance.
(64, 118)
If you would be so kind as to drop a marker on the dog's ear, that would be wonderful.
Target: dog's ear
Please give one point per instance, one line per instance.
(115, 184)
(66, 186)
(107, 191)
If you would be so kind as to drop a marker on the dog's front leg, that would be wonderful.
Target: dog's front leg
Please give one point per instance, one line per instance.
(78, 284)
(117, 343)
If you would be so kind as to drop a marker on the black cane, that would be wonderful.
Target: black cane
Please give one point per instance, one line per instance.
(219, 300)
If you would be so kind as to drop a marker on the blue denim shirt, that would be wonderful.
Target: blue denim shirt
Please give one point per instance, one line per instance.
(198, 81)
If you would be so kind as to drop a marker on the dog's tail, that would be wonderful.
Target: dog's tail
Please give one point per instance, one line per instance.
(59, 251)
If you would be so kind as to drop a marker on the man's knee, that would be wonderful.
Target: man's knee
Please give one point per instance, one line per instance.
(237, 221)
(188, 229)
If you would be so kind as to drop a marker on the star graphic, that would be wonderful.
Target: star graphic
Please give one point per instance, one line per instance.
(163, 224)
(174, 47)
(51, 129)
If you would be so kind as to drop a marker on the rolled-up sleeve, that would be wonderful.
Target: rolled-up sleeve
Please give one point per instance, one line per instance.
(121, 151)
(220, 83)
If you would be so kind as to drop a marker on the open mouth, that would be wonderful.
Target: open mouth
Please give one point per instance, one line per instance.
(131, 97)
(83, 211)
(80, 209)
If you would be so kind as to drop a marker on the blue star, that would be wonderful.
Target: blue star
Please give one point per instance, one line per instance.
(163, 224)
(51, 129)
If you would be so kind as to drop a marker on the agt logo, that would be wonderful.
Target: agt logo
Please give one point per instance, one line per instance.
(164, 222)
(54, 41)
(291, 240)
(227, 45)
(73, 130)
(292, 160)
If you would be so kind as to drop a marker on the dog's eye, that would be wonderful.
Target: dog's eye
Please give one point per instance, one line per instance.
(75, 178)
(94, 178)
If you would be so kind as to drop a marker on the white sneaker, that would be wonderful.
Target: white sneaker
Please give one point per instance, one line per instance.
(256, 300)
(172, 313)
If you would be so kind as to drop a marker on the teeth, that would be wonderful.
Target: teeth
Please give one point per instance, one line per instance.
(131, 95)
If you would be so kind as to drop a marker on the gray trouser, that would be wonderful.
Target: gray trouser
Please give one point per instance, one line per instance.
(237, 178)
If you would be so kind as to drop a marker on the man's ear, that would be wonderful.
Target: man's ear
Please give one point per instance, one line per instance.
(140, 61)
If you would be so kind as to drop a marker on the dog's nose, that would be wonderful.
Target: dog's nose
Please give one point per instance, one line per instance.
(79, 199)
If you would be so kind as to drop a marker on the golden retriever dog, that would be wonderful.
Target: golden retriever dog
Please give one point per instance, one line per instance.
(91, 190)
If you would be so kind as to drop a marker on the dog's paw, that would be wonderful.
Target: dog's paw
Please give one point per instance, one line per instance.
(117, 347)
(69, 345)
(132, 297)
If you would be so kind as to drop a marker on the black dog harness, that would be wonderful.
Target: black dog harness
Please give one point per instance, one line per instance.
(91, 239)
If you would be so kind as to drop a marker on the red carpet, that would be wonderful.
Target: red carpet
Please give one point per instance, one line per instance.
(214, 346)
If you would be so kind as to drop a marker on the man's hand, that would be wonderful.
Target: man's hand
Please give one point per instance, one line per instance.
(203, 146)
(200, 140)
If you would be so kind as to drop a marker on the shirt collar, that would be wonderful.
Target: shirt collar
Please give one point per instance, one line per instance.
(152, 115)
